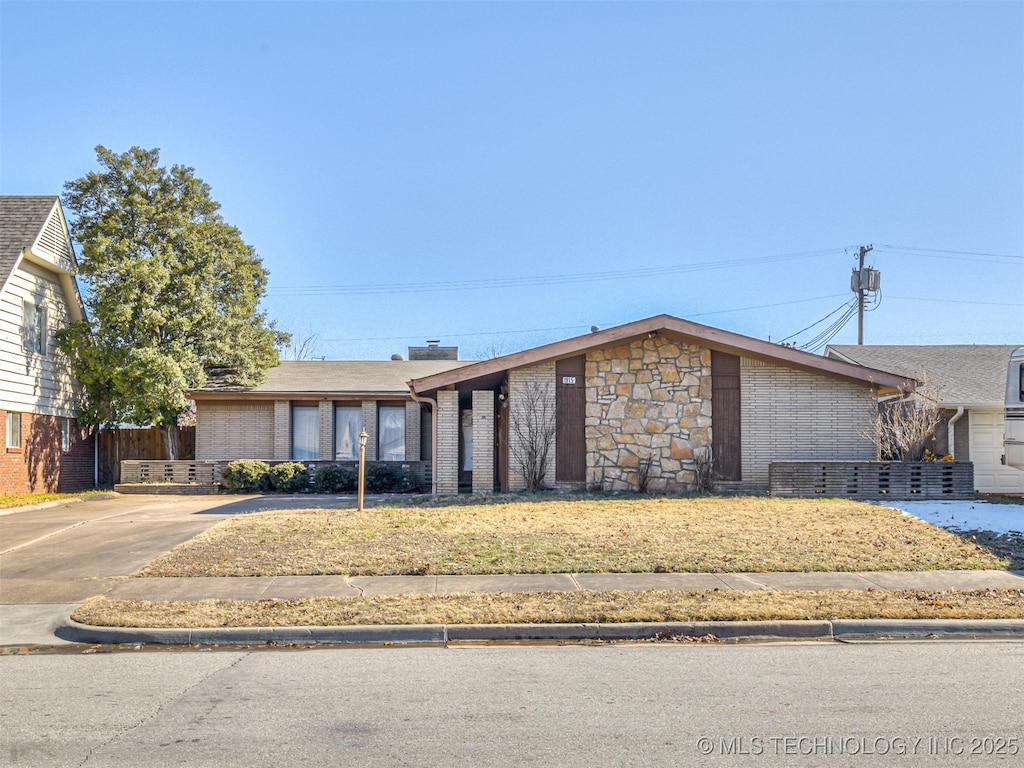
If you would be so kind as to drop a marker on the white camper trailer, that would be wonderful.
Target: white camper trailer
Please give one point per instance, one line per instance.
(1013, 430)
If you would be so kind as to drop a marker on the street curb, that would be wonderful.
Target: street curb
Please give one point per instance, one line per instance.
(879, 628)
(418, 634)
(442, 634)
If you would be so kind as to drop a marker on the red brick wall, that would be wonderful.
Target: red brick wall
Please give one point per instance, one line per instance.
(40, 465)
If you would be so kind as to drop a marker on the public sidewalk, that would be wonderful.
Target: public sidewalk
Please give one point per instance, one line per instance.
(266, 587)
(49, 624)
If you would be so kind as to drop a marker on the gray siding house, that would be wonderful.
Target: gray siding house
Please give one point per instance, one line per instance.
(969, 382)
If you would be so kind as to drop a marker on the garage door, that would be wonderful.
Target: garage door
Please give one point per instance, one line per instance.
(990, 476)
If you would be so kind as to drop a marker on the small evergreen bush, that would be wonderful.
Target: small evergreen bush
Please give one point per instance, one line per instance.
(330, 478)
(289, 477)
(386, 478)
(245, 476)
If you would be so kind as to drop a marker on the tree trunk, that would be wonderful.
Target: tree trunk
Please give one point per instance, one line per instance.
(170, 441)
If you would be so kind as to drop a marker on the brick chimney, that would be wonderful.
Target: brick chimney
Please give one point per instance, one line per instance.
(433, 351)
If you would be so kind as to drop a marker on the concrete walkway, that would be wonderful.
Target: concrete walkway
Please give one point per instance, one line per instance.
(46, 624)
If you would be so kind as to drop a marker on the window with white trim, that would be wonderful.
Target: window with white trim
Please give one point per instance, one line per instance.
(65, 435)
(13, 429)
(348, 423)
(34, 328)
(391, 433)
(305, 433)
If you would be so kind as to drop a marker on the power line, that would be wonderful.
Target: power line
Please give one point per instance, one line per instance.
(958, 253)
(535, 280)
(960, 301)
(450, 335)
(844, 305)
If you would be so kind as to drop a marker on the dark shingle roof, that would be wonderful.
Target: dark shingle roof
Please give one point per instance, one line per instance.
(963, 374)
(339, 377)
(22, 217)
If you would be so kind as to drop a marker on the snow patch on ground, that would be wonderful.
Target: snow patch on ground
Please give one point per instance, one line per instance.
(966, 515)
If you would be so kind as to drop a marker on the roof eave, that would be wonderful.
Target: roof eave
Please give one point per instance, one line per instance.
(715, 338)
(251, 394)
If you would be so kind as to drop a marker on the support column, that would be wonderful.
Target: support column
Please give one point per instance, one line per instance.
(282, 430)
(483, 441)
(326, 452)
(370, 426)
(412, 431)
(447, 458)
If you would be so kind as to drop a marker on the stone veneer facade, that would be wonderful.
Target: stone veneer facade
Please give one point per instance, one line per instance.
(650, 397)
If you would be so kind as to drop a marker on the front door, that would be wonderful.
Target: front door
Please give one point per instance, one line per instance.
(570, 415)
(725, 415)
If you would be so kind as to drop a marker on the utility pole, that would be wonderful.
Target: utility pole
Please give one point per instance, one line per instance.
(863, 280)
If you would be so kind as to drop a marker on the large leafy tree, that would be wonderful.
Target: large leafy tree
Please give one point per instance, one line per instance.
(172, 292)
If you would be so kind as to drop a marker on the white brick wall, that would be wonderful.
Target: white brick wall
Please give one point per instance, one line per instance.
(234, 431)
(483, 441)
(412, 431)
(282, 430)
(791, 414)
(326, 430)
(370, 427)
(447, 458)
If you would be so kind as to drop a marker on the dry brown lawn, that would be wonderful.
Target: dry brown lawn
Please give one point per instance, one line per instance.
(557, 607)
(592, 535)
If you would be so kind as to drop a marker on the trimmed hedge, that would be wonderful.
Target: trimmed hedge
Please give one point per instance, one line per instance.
(331, 478)
(245, 476)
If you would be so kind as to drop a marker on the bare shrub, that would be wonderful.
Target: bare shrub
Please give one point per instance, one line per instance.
(643, 471)
(533, 432)
(703, 470)
(905, 428)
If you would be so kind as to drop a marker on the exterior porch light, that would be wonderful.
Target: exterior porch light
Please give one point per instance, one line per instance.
(363, 437)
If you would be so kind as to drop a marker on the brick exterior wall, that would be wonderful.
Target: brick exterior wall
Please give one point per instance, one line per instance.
(40, 465)
(370, 427)
(228, 431)
(483, 441)
(962, 435)
(789, 414)
(282, 430)
(447, 458)
(523, 383)
(649, 399)
(412, 431)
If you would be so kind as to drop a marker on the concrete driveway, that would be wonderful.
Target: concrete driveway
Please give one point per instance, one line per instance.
(56, 557)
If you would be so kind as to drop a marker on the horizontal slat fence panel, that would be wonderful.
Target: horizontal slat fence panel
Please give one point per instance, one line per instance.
(904, 480)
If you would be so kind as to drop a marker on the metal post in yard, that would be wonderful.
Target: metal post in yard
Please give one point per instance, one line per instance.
(362, 466)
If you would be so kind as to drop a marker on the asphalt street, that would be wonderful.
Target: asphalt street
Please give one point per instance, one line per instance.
(906, 703)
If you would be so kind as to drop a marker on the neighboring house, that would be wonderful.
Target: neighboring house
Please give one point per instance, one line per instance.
(969, 380)
(45, 448)
(662, 390)
(314, 411)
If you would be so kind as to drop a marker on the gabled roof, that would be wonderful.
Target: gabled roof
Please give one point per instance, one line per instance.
(33, 228)
(961, 374)
(22, 218)
(705, 335)
(295, 379)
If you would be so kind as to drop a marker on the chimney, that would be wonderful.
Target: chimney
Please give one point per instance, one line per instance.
(433, 351)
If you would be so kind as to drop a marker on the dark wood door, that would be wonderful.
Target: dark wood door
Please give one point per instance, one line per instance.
(725, 415)
(570, 414)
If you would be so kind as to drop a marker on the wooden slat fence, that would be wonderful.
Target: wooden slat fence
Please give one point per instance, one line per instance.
(146, 444)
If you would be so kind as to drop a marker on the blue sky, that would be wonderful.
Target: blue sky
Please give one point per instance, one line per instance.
(543, 168)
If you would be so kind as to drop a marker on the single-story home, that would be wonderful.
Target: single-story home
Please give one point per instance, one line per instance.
(314, 411)
(969, 382)
(657, 395)
(46, 449)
